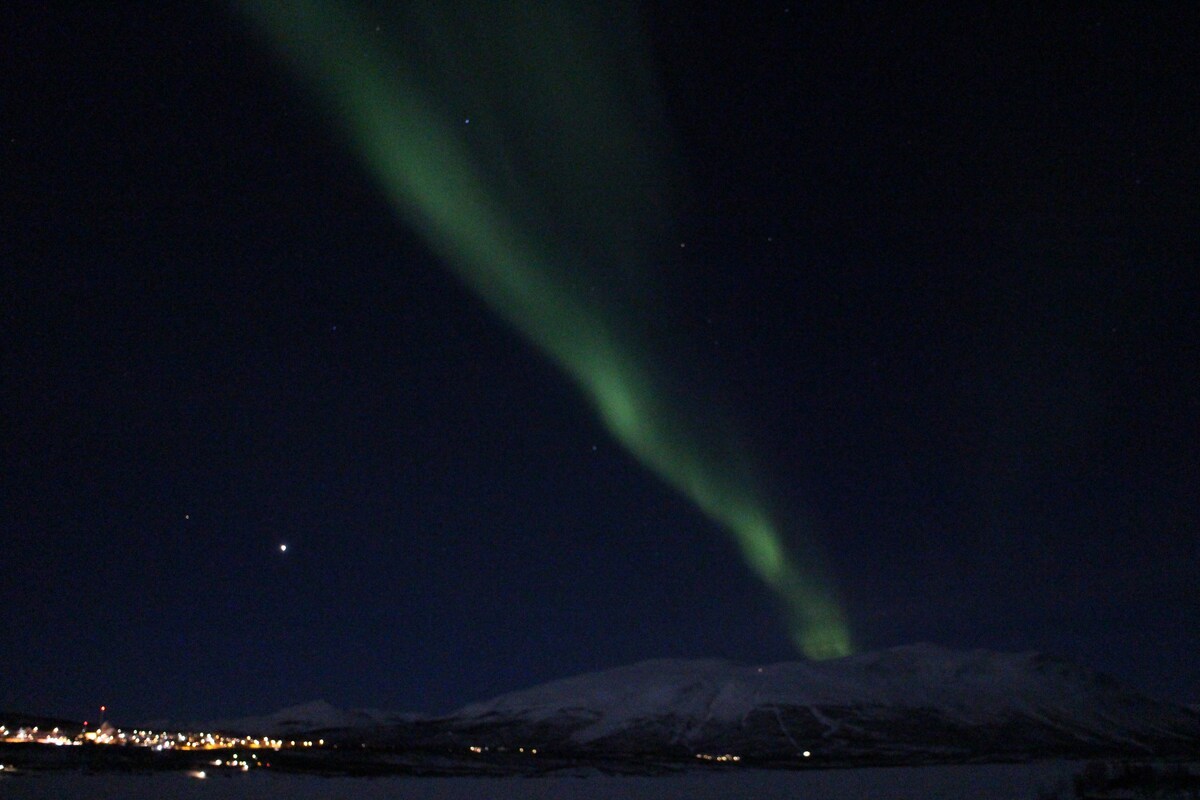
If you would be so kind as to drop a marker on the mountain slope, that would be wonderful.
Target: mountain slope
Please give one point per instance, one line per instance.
(915, 700)
(903, 705)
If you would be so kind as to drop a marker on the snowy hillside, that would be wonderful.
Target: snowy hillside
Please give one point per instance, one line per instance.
(918, 698)
(906, 704)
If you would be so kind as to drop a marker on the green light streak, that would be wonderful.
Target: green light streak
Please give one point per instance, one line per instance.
(554, 168)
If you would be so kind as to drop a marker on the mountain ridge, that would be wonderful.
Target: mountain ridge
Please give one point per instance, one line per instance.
(910, 702)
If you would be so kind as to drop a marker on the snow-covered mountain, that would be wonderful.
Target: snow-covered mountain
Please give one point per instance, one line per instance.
(905, 701)
(913, 703)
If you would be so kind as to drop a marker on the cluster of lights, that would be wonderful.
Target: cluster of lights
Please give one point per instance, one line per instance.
(164, 740)
(36, 734)
(479, 749)
(156, 740)
(723, 757)
(217, 741)
(237, 762)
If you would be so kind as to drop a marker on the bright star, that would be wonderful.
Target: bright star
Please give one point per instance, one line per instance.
(283, 548)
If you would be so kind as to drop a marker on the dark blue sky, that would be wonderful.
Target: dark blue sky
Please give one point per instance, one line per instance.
(941, 268)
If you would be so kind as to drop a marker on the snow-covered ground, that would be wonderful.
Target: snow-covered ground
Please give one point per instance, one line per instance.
(983, 782)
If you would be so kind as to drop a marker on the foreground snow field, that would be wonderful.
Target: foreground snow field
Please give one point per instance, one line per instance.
(984, 782)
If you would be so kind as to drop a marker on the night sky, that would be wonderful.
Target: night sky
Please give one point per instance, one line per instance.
(937, 268)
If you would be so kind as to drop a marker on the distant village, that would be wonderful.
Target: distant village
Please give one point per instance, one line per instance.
(108, 734)
(242, 751)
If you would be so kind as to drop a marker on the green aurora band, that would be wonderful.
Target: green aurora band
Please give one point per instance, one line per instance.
(517, 137)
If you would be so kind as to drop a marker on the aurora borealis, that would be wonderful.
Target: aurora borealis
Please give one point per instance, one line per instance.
(567, 87)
